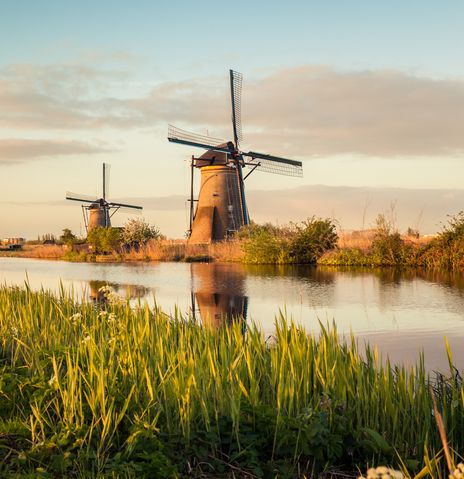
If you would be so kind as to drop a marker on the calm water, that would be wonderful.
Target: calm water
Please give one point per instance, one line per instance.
(401, 313)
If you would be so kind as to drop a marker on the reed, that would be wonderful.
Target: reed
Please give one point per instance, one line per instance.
(51, 251)
(157, 250)
(97, 391)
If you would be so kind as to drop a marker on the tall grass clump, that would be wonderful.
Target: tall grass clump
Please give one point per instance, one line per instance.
(297, 243)
(386, 247)
(110, 391)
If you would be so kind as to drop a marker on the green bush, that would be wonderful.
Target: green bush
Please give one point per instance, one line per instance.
(297, 243)
(311, 239)
(104, 240)
(447, 250)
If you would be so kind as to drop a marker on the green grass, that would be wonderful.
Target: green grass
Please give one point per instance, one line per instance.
(89, 391)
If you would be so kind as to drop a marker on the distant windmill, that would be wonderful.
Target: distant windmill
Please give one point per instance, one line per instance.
(221, 205)
(99, 211)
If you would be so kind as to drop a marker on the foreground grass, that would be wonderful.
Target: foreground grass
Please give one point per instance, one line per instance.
(121, 392)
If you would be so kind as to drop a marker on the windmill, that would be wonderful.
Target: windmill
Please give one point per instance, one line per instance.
(99, 211)
(221, 205)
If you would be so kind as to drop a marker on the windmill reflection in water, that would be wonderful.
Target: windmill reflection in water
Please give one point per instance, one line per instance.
(218, 294)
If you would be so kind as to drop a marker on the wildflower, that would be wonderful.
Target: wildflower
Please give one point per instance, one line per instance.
(86, 339)
(458, 473)
(53, 382)
(14, 331)
(382, 472)
(76, 317)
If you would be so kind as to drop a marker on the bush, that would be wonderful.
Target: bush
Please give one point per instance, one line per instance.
(311, 239)
(138, 232)
(104, 240)
(447, 250)
(298, 243)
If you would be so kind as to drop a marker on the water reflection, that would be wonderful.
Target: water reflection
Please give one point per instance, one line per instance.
(218, 293)
(402, 313)
(98, 289)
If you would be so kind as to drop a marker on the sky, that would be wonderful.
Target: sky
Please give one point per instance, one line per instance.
(368, 95)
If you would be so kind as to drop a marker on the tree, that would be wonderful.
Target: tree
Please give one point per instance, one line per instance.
(68, 238)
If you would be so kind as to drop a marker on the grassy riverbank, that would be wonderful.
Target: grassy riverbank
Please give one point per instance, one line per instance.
(314, 241)
(93, 391)
(386, 247)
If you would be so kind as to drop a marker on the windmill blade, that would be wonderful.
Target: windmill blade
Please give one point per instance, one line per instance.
(126, 209)
(113, 204)
(177, 135)
(106, 180)
(81, 198)
(274, 164)
(236, 99)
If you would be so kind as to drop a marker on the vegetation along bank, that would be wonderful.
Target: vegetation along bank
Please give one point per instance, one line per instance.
(314, 241)
(92, 390)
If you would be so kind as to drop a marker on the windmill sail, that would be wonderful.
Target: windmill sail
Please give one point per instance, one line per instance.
(274, 164)
(236, 99)
(177, 135)
(80, 197)
(124, 205)
(106, 180)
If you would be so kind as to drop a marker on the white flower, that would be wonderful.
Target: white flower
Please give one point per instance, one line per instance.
(86, 339)
(76, 317)
(53, 381)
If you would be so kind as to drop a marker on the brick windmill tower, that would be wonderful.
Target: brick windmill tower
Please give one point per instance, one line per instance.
(221, 205)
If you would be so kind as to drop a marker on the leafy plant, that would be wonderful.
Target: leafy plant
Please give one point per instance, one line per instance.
(137, 232)
(301, 243)
(104, 240)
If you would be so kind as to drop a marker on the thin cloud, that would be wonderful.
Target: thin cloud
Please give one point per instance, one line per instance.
(13, 151)
(310, 111)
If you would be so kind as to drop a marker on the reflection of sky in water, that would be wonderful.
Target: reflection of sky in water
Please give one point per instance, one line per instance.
(400, 313)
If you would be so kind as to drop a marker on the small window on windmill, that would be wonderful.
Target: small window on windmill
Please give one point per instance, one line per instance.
(230, 208)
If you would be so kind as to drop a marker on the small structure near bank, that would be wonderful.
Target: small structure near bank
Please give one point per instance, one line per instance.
(11, 244)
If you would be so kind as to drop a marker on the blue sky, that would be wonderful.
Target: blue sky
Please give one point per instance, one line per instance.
(86, 82)
(183, 37)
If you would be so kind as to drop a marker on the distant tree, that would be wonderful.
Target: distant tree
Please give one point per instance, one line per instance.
(137, 232)
(68, 238)
(48, 238)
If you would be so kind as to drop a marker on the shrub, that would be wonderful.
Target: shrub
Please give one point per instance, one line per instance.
(297, 243)
(311, 239)
(138, 232)
(104, 240)
(447, 250)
